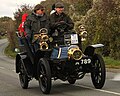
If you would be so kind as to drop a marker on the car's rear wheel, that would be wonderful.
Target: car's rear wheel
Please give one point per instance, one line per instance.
(98, 73)
(44, 76)
(24, 80)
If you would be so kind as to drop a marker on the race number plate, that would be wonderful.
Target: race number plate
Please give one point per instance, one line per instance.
(85, 61)
(74, 39)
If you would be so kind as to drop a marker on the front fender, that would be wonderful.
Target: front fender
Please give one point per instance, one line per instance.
(91, 49)
(17, 64)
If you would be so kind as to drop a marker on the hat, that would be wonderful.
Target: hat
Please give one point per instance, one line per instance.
(38, 6)
(59, 5)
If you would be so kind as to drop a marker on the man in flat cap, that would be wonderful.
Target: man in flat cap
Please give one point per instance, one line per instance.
(59, 17)
(35, 21)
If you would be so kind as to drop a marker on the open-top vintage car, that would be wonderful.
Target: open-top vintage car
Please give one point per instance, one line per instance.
(59, 58)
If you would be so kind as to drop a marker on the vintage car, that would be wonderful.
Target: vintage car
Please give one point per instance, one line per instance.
(54, 59)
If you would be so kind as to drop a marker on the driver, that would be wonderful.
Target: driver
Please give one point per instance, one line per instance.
(59, 18)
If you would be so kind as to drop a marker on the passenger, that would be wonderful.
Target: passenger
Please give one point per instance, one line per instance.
(21, 32)
(21, 26)
(37, 20)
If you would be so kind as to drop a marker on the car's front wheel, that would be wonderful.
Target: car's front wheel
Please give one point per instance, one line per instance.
(24, 80)
(44, 75)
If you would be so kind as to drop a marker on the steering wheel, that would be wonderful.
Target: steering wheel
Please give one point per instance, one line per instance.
(61, 26)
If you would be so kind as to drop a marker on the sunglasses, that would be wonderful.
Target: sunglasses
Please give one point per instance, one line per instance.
(60, 7)
(42, 9)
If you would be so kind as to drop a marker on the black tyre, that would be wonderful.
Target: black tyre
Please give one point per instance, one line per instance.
(98, 73)
(71, 81)
(24, 80)
(44, 76)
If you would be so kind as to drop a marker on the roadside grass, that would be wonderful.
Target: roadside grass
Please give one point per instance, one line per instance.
(2, 37)
(9, 52)
(111, 63)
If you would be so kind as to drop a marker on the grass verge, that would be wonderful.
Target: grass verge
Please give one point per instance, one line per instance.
(9, 52)
(111, 63)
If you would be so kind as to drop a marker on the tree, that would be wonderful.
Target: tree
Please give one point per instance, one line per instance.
(20, 11)
(4, 24)
(102, 22)
(11, 35)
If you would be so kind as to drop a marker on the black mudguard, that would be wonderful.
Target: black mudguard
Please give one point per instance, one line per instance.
(28, 66)
(17, 65)
(91, 49)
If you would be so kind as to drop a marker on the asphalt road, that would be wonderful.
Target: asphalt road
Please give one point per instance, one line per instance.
(10, 86)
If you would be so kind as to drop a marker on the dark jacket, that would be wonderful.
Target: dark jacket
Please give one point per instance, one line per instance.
(34, 23)
(54, 18)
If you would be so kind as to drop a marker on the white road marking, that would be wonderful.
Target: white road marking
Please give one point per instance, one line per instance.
(2, 68)
(105, 91)
(116, 77)
(5, 68)
(13, 70)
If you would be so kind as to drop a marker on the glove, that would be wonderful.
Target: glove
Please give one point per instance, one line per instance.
(57, 24)
(63, 22)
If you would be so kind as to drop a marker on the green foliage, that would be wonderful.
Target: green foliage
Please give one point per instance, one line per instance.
(9, 52)
(102, 23)
(11, 35)
(111, 63)
(4, 24)
(82, 6)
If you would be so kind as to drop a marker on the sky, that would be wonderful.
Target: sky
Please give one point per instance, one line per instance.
(8, 7)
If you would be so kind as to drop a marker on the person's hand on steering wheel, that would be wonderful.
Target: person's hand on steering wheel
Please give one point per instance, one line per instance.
(61, 26)
(61, 23)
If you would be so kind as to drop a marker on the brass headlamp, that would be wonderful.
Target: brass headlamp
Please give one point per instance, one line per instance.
(82, 32)
(83, 35)
(74, 52)
(43, 38)
(43, 45)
